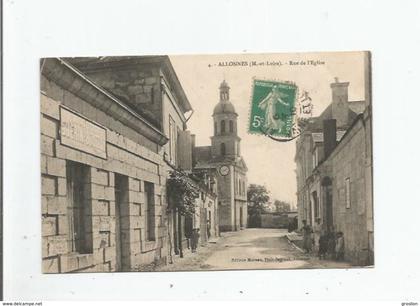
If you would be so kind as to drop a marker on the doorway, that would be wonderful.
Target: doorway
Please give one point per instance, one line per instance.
(328, 211)
(121, 199)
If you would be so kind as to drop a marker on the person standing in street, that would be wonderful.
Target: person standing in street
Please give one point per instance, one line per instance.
(307, 237)
(208, 230)
(331, 243)
(323, 245)
(194, 240)
(339, 246)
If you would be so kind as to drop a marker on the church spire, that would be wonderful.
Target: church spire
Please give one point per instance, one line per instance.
(224, 91)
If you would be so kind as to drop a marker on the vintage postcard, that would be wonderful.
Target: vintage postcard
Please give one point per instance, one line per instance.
(206, 162)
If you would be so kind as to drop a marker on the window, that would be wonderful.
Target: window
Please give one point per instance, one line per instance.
(171, 127)
(238, 185)
(223, 127)
(224, 96)
(79, 208)
(230, 126)
(316, 204)
(149, 199)
(222, 149)
(348, 202)
(209, 219)
(215, 128)
(172, 140)
(315, 158)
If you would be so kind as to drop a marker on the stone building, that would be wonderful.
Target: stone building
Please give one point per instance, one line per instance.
(206, 212)
(109, 136)
(334, 173)
(224, 157)
(205, 217)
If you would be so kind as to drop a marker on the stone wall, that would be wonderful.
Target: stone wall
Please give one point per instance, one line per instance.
(303, 170)
(225, 199)
(208, 211)
(241, 205)
(129, 154)
(241, 208)
(274, 221)
(74, 102)
(136, 85)
(349, 161)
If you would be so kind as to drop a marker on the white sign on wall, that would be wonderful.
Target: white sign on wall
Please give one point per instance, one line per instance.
(82, 134)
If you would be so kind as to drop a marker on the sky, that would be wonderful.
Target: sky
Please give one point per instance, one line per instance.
(269, 163)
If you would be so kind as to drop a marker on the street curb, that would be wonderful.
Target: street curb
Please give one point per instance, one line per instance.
(294, 245)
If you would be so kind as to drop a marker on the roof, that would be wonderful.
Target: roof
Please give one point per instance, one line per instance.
(224, 84)
(357, 106)
(87, 64)
(205, 160)
(55, 68)
(224, 107)
(319, 137)
(315, 123)
(202, 153)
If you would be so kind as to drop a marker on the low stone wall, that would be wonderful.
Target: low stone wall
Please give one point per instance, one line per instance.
(274, 221)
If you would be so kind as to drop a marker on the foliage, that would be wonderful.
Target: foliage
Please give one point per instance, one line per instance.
(182, 192)
(257, 199)
(282, 206)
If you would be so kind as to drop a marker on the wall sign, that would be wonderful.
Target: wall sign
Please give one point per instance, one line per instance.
(82, 134)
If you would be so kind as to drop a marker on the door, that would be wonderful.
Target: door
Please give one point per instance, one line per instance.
(203, 225)
(328, 200)
(121, 197)
(329, 209)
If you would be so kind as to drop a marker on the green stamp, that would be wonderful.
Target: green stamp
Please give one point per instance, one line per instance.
(273, 108)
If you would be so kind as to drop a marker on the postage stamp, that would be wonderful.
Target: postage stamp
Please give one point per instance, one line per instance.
(272, 108)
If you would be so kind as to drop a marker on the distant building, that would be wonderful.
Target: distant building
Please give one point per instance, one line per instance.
(224, 157)
(334, 173)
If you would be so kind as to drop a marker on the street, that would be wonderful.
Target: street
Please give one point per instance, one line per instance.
(254, 248)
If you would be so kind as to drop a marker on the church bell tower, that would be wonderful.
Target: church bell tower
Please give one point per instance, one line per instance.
(225, 140)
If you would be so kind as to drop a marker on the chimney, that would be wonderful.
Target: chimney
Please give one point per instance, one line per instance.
(329, 129)
(340, 99)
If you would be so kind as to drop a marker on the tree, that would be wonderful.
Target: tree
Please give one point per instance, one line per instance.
(282, 206)
(257, 199)
(182, 192)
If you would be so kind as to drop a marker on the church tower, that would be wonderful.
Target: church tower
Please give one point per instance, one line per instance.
(225, 141)
(224, 156)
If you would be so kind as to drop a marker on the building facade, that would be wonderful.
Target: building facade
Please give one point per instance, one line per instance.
(224, 157)
(109, 137)
(334, 174)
